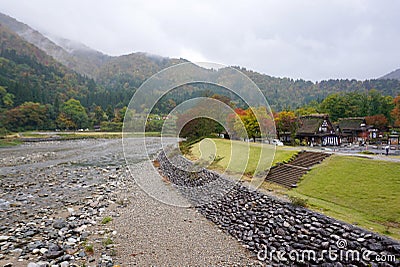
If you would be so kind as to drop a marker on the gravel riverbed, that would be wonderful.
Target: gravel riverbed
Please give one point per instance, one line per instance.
(74, 203)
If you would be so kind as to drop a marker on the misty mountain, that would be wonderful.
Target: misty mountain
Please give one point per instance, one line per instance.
(88, 61)
(119, 76)
(71, 54)
(30, 74)
(392, 75)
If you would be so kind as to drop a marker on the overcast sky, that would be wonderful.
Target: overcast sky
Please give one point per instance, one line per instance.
(299, 38)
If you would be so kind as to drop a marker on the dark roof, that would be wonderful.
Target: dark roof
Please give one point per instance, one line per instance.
(310, 124)
(353, 123)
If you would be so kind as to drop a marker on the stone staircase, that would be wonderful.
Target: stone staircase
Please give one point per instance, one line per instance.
(290, 173)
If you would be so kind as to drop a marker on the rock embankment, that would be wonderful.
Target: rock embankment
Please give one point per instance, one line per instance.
(278, 232)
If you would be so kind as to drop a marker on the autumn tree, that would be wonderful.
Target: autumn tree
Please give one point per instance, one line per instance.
(379, 121)
(396, 111)
(252, 122)
(97, 115)
(287, 121)
(27, 116)
(251, 126)
(120, 115)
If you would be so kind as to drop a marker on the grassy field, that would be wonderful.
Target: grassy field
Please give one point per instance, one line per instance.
(81, 135)
(107, 134)
(357, 190)
(14, 139)
(243, 152)
(9, 142)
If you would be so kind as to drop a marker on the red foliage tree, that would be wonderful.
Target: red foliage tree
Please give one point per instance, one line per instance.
(396, 111)
(379, 121)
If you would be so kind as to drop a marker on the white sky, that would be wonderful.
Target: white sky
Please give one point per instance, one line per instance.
(307, 39)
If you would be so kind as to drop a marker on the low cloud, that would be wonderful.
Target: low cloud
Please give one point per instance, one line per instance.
(298, 39)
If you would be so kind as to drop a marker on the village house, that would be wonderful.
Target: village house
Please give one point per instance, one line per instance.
(317, 129)
(354, 130)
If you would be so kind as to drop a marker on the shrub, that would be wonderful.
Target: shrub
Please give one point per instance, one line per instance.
(298, 201)
(106, 220)
(89, 248)
(107, 241)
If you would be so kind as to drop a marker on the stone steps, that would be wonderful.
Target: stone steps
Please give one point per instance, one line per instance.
(290, 173)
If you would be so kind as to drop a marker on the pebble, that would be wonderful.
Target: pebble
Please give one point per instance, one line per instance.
(4, 238)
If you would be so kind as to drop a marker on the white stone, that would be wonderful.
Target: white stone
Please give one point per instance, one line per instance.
(71, 240)
(17, 251)
(81, 228)
(4, 238)
(43, 250)
(42, 263)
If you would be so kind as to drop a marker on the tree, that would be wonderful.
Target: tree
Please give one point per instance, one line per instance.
(396, 111)
(120, 115)
(28, 116)
(197, 128)
(206, 117)
(379, 121)
(223, 98)
(72, 115)
(110, 113)
(307, 110)
(6, 99)
(250, 123)
(335, 106)
(98, 115)
(287, 121)
(256, 122)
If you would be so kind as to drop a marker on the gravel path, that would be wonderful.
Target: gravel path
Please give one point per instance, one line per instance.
(156, 234)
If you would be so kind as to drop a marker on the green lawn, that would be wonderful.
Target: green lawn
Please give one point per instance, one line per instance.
(356, 190)
(244, 153)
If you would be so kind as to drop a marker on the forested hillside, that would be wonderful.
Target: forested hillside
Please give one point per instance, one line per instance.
(31, 75)
(40, 75)
(286, 93)
(120, 76)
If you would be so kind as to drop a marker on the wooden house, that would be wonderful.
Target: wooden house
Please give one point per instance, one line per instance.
(317, 129)
(353, 130)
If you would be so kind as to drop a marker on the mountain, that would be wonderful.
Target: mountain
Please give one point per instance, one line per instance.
(90, 62)
(392, 75)
(30, 74)
(117, 77)
(286, 93)
(71, 54)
